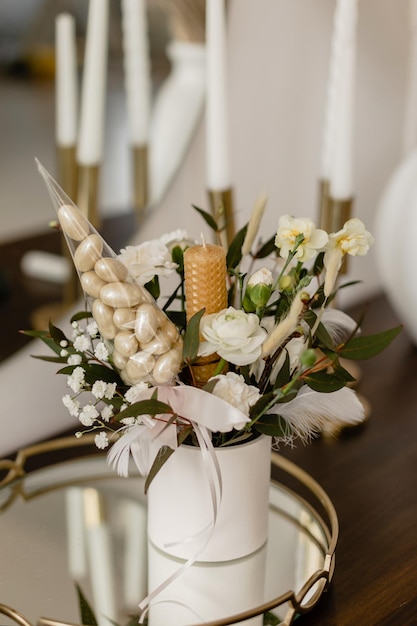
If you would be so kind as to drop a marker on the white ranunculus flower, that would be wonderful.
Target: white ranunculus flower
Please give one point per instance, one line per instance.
(232, 388)
(352, 239)
(147, 260)
(236, 336)
(261, 277)
(289, 228)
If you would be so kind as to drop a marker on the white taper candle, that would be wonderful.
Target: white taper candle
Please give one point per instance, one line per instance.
(341, 172)
(93, 95)
(410, 117)
(217, 128)
(66, 88)
(137, 69)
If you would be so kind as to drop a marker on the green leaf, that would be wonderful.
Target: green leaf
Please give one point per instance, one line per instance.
(271, 425)
(324, 382)
(145, 407)
(81, 315)
(86, 613)
(93, 372)
(284, 374)
(318, 264)
(270, 619)
(50, 359)
(56, 333)
(153, 287)
(234, 254)
(163, 455)
(192, 338)
(177, 317)
(209, 219)
(177, 255)
(266, 249)
(365, 347)
(321, 333)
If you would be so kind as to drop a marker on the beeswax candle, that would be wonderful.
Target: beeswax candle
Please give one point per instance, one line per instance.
(205, 287)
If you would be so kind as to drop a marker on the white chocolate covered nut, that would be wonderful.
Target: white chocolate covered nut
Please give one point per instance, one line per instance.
(73, 222)
(139, 367)
(88, 252)
(91, 283)
(169, 330)
(124, 318)
(146, 322)
(126, 343)
(103, 316)
(119, 294)
(111, 270)
(119, 360)
(158, 345)
(167, 366)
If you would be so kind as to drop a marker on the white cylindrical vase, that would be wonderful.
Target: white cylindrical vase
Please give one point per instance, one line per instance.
(181, 518)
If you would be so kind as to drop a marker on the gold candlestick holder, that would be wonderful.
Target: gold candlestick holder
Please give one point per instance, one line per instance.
(221, 204)
(87, 193)
(140, 179)
(324, 195)
(68, 175)
(333, 216)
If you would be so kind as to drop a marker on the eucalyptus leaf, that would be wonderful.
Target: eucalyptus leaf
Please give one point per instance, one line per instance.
(192, 338)
(208, 218)
(364, 347)
(324, 382)
(81, 315)
(145, 407)
(56, 334)
(234, 254)
(271, 425)
(266, 249)
(87, 616)
(163, 455)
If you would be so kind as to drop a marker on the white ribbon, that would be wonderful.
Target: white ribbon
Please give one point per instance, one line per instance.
(144, 440)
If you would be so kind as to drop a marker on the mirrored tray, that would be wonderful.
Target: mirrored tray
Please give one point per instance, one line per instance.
(74, 522)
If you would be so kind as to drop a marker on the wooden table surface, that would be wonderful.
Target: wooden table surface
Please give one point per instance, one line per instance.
(369, 473)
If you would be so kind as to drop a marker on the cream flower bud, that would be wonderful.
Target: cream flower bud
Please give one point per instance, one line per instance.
(284, 328)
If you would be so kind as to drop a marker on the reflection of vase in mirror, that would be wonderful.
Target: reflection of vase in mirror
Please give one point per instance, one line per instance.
(206, 592)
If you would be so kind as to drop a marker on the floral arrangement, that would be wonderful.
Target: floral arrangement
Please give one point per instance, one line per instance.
(245, 344)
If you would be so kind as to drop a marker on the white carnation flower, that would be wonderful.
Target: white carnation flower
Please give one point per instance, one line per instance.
(236, 336)
(232, 388)
(289, 228)
(149, 259)
(177, 237)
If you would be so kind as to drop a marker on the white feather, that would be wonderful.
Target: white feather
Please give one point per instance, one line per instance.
(311, 411)
(339, 325)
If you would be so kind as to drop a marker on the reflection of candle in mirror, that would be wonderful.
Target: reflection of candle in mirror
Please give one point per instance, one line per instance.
(100, 559)
(74, 509)
(66, 80)
(135, 552)
(217, 141)
(90, 141)
(136, 67)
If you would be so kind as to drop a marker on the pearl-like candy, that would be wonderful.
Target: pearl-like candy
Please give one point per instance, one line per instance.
(120, 294)
(139, 366)
(146, 323)
(103, 316)
(126, 343)
(91, 283)
(124, 318)
(88, 252)
(73, 222)
(110, 269)
(167, 366)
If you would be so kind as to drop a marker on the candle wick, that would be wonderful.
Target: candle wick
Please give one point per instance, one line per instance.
(203, 241)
